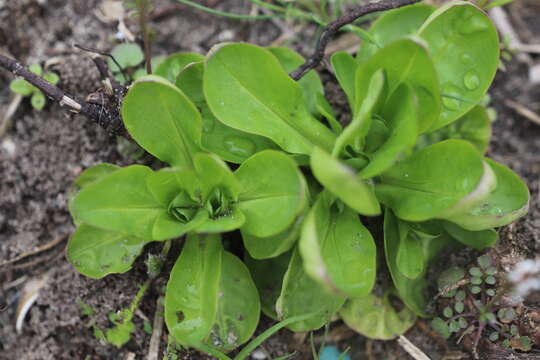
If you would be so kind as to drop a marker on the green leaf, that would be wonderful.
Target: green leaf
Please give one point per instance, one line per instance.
(36, 69)
(247, 89)
(311, 83)
(345, 67)
(450, 277)
(376, 318)
(432, 184)
(127, 55)
(496, 3)
(337, 250)
(464, 45)
(474, 126)
(238, 306)
(440, 326)
(353, 135)
(508, 202)
(342, 181)
(38, 100)
(301, 295)
(272, 246)
(410, 291)
(230, 144)
(191, 299)
(162, 120)
(213, 173)
(173, 64)
(51, 77)
(485, 262)
(268, 277)
(96, 252)
(405, 61)
(273, 188)
(120, 202)
(401, 118)
(393, 25)
(22, 87)
(476, 239)
(87, 177)
(410, 253)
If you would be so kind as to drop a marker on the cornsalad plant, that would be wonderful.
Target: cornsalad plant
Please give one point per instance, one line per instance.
(252, 151)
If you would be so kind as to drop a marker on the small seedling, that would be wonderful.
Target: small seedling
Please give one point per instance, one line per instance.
(478, 312)
(24, 88)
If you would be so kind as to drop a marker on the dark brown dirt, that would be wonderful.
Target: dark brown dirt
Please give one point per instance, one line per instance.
(51, 147)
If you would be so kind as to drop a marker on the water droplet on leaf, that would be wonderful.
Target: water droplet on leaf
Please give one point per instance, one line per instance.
(239, 146)
(471, 80)
(450, 92)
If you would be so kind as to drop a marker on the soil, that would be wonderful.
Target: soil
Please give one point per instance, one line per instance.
(42, 152)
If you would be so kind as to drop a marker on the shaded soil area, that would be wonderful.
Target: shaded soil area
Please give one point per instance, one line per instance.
(42, 152)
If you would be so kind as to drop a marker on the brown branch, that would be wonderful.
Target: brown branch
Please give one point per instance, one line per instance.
(106, 113)
(331, 29)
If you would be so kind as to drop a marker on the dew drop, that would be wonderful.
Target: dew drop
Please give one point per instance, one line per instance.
(471, 80)
(473, 25)
(450, 92)
(239, 146)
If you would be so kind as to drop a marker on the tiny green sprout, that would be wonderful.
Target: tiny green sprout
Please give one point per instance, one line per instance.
(488, 317)
(506, 315)
(484, 261)
(454, 326)
(474, 271)
(448, 312)
(490, 280)
(476, 289)
(24, 88)
(440, 326)
(476, 280)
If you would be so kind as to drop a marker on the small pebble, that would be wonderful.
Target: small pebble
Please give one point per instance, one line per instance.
(258, 354)
(9, 146)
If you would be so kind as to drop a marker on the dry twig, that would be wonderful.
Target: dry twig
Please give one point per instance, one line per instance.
(331, 29)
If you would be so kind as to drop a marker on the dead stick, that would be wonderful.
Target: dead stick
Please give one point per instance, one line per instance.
(99, 113)
(331, 29)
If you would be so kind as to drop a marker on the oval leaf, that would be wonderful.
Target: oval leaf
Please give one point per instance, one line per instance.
(508, 202)
(393, 25)
(401, 118)
(96, 252)
(342, 181)
(247, 89)
(433, 180)
(376, 318)
(172, 65)
(405, 61)
(162, 120)
(464, 45)
(273, 193)
(192, 290)
(238, 306)
(338, 251)
(120, 202)
(301, 295)
(230, 144)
